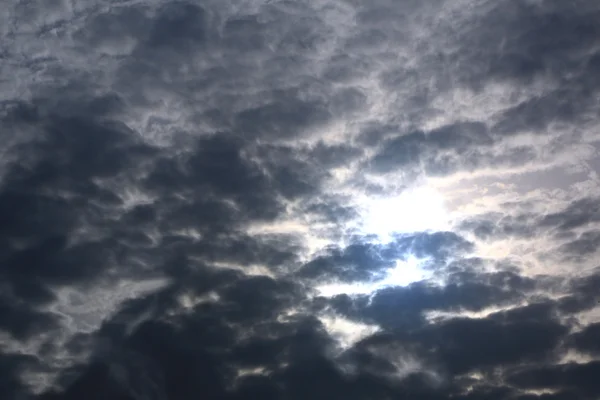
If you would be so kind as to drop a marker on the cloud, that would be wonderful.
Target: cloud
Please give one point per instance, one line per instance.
(585, 340)
(570, 378)
(179, 182)
(368, 261)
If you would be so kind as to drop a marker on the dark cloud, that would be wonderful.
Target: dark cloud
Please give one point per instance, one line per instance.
(499, 226)
(283, 117)
(51, 194)
(575, 215)
(218, 172)
(11, 367)
(445, 150)
(178, 181)
(537, 39)
(200, 351)
(439, 245)
(295, 172)
(583, 294)
(178, 26)
(587, 243)
(492, 344)
(357, 262)
(404, 151)
(22, 321)
(331, 210)
(550, 41)
(366, 261)
(405, 307)
(522, 223)
(546, 42)
(587, 339)
(571, 377)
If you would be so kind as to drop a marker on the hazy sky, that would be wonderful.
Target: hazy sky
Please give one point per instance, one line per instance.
(297, 200)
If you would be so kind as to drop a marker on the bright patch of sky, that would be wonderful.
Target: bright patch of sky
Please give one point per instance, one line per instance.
(414, 210)
(403, 273)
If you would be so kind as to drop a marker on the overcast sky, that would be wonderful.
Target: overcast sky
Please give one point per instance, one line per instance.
(296, 200)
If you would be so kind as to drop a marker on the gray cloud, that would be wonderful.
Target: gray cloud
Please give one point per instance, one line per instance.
(178, 181)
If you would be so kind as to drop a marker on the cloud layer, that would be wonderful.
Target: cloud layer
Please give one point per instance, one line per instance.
(291, 200)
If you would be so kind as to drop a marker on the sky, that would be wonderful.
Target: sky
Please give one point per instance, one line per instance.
(309, 199)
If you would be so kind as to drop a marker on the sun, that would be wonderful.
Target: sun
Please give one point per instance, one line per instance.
(414, 210)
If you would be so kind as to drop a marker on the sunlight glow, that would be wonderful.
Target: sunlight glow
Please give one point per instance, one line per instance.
(345, 331)
(403, 274)
(414, 210)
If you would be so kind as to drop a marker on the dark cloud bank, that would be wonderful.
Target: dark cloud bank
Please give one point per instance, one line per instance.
(155, 152)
